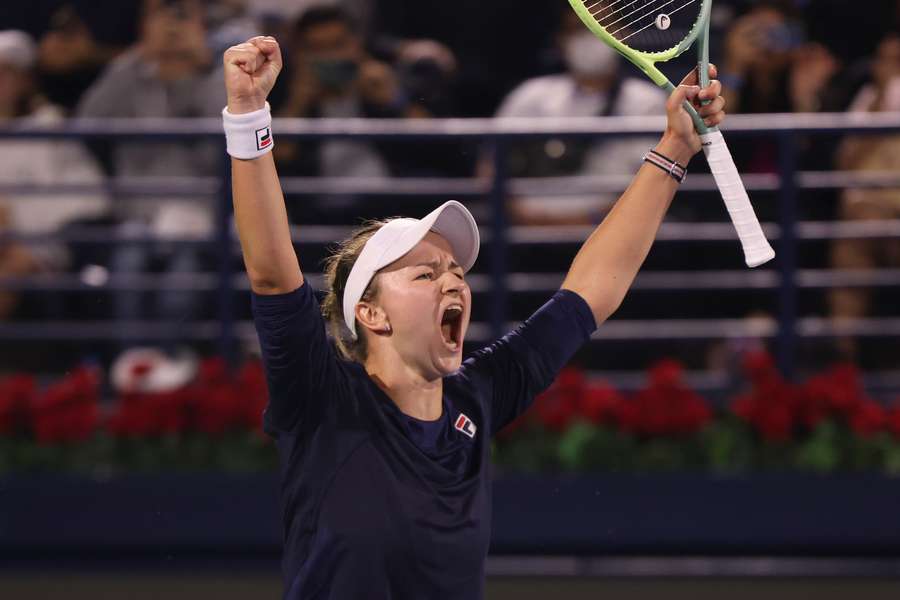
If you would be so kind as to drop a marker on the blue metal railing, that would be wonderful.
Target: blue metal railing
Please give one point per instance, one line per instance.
(498, 134)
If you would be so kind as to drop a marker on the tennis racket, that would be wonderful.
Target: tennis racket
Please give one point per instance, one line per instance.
(647, 32)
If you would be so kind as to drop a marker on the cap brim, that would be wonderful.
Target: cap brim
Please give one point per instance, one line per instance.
(453, 222)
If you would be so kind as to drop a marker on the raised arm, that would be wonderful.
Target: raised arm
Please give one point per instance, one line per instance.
(609, 260)
(250, 72)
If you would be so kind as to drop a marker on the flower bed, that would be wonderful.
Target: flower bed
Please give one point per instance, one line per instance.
(825, 424)
(214, 423)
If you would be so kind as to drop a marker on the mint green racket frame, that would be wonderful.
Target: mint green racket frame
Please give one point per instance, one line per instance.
(646, 61)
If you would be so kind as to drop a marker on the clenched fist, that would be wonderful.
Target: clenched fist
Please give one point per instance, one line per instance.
(251, 69)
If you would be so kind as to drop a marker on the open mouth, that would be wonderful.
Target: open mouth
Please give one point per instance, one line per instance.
(451, 326)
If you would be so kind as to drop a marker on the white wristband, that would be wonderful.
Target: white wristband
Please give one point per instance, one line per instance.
(248, 135)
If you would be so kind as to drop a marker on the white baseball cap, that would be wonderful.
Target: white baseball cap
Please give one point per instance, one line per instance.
(452, 220)
(18, 49)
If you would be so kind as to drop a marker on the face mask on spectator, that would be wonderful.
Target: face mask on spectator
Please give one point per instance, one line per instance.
(335, 74)
(587, 56)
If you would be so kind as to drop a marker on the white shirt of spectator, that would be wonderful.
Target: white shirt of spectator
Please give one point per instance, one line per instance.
(129, 88)
(560, 96)
(48, 162)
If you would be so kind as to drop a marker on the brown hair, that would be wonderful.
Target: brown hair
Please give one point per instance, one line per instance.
(337, 270)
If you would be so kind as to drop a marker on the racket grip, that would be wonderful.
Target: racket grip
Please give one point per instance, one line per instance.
(756, 247)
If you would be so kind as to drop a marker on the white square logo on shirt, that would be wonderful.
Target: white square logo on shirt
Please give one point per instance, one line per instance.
(465, 424)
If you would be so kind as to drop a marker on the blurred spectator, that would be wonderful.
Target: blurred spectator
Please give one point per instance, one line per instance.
(851, 32)
(591, 86)
(230, 22)
(361, 11)
(40, 162)
(770, 67)
(169, 73)
(498, 43)
(78, 41)
(15, 261)
(877, 154)
(426, 70)
(333, 76)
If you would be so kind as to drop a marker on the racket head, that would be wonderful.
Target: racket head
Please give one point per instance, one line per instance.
(635, 29)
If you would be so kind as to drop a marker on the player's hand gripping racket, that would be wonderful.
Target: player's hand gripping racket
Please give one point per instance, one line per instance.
(650, 31)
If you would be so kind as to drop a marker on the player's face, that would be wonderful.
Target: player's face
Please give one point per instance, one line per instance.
(427, 301)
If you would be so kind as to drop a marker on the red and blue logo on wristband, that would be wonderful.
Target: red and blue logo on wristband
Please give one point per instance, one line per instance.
(263, 138)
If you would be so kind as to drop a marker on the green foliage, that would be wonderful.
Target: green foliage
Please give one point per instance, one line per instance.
(103, 454)
(726, 446)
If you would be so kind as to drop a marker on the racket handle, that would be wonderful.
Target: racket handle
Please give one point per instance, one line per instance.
(756, 248)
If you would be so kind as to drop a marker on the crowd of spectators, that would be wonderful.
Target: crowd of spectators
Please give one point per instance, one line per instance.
(396, 59)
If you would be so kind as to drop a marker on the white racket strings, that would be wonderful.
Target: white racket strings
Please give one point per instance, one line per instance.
(646, 25)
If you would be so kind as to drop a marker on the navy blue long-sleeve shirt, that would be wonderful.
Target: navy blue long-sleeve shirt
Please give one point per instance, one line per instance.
(377, 504)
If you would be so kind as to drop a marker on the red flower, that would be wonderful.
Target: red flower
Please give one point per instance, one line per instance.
(759, 366)
(810, 414)
(745, 407)
(558, 406)
(869, 418)
(653, 414)
(254, 392)
(555, 410)
(892, 420)
(213, 403)
(599, 403)
(666, 373)
(837, 392)
(150, 414)
(775, 422)
(217, 409)
(16, 396)
(771, 405)
(666, 407)
(774, 407)
(695, 413)
(212, 370)
(629, 416)
(68, 411)
(570, 381)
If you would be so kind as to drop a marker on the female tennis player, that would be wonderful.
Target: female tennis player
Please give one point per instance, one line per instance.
(384, 439)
